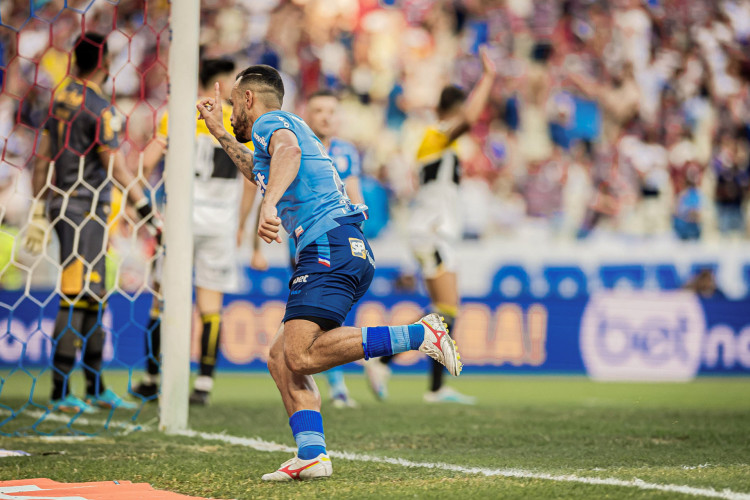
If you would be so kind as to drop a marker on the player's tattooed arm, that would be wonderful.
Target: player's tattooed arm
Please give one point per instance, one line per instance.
(211, 113)
(239, 153)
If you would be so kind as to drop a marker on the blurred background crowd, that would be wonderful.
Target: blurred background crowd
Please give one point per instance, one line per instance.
(609, 118)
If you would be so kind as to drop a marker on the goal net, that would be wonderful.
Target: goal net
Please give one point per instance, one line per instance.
(80, 173)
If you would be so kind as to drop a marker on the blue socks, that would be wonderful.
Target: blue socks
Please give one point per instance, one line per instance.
(307, 427)
(389, 340)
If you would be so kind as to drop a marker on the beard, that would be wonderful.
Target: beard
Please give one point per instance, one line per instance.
(243, 129)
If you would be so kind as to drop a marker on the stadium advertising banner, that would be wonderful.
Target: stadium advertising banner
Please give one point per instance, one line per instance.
(654, 335)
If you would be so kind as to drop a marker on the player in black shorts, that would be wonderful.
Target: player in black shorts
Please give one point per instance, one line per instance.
(81, 138)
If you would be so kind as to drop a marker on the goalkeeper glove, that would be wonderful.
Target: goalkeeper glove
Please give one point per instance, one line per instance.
(37, 232)
(151, 218)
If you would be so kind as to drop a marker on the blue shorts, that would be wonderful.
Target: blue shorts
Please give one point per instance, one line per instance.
(332, 274)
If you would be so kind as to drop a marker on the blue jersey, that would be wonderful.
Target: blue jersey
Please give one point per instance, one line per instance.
(345, 158)
(316, 198)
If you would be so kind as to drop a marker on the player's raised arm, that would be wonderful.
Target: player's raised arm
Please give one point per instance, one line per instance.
(285, 160)
(211, 112)
(477, 101)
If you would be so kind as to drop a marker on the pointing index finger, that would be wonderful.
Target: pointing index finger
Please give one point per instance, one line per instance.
(217, 92)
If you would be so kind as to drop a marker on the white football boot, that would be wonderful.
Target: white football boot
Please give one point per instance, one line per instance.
(296, 469)
(438, 345)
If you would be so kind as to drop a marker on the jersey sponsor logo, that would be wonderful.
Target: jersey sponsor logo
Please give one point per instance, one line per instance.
(260, 179)
(358, 248)
(300, 279)
(260, 140)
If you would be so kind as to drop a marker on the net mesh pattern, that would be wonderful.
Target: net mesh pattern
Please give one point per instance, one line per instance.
(98, 253)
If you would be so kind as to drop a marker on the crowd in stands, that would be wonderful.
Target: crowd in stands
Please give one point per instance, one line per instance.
(609, 118)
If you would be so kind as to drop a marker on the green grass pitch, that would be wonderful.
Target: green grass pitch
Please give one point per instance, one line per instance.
(695, 434)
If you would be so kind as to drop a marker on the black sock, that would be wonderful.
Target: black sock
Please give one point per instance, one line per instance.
(209, 343)
(153, 346)
(436, 380)
(93, 351)
(68, 337)
(63, 365)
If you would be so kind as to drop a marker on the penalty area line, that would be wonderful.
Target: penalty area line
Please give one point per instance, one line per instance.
(269, 446)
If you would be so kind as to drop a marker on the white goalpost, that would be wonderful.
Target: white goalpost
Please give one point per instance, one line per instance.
(178, 231)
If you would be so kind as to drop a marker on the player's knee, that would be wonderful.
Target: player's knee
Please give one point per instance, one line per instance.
(298, 361)
(298, 340)
(276, 362)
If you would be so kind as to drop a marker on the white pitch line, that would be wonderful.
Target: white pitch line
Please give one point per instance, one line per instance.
(269, 446)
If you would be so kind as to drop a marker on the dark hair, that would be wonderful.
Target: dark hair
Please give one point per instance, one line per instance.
(210, 68)
(264, 79)
(450, 97)
(90, 49)
(322, 93)
(541, 52)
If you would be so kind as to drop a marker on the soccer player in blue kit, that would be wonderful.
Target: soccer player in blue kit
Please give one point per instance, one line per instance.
(302, 193)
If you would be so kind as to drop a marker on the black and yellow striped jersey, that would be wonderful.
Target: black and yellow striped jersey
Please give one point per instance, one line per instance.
(438, 157)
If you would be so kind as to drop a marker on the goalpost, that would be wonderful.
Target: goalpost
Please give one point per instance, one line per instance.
(178, 233)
